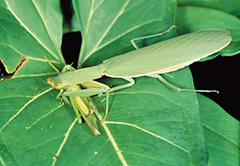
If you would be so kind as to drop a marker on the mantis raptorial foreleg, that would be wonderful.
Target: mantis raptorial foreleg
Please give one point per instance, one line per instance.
(63, 97)
(82, 108)
(156, 58)
(81, 105)
(96, 88)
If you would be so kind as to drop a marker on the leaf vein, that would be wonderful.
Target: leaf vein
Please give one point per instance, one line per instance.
(114, 144)
(30, 32)
(64, 141)
(29, 102)
(148, 132)
(219, 134)
(107, 30)
(2, 162)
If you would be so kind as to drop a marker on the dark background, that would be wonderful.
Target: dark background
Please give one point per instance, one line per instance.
(221, 73)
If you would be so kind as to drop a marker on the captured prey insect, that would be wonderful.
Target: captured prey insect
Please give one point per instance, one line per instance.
(83, 106)
(162, 57)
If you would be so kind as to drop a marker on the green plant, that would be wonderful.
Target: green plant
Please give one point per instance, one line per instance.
(150, 123)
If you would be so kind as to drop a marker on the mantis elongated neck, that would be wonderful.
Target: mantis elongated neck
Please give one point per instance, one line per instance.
(76, 76)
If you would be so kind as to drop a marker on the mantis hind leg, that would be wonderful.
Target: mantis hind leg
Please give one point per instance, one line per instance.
(150, 36)
(177, 88)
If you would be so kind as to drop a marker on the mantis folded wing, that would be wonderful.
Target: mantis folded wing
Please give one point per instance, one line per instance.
(163, 57)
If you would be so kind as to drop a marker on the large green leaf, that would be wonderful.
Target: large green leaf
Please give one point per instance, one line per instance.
(30, 29)
(108, 26)
(190, 19)
(162, 125)
(231, 6)
(221, 133)
(148, 124)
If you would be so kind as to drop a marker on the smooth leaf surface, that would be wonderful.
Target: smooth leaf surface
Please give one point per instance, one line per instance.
(30, 133)
(221, 133)
(108, 32)
(190, 19)
(131, 109)
(34, 123)
(27, 30)
(149, 123)
(231, 6)
(169, 124)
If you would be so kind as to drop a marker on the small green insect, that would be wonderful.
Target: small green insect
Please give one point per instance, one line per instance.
(162, 57)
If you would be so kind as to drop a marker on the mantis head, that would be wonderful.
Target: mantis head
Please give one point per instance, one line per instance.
(55, 82)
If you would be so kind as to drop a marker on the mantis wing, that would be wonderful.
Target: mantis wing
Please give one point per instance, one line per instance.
(168, 55)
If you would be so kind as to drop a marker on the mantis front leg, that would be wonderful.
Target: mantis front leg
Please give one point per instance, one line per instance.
(82, 109)
(97, 88)
(93, 88)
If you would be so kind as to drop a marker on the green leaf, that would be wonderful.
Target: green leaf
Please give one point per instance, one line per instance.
(190, 19)
(231, 6)
(157, 121)
(31, 30)
(132, 115)
(221, 133)
(147, 124)
(108, 27)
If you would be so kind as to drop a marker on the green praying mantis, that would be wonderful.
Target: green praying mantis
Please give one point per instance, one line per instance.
(159, 58)
(83, 106)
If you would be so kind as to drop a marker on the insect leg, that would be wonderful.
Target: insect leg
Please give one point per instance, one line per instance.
(177, 88)
(93, 88)
(76, 110)
(97, 88)
(150, 36)
(63, 97)
(86, 92)
(81, 108)
(89, 118)
(131, 83)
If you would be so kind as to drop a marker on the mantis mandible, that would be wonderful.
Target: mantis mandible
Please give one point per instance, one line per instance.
(162, 57)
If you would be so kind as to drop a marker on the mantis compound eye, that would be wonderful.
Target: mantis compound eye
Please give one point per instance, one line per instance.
(55, 82)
